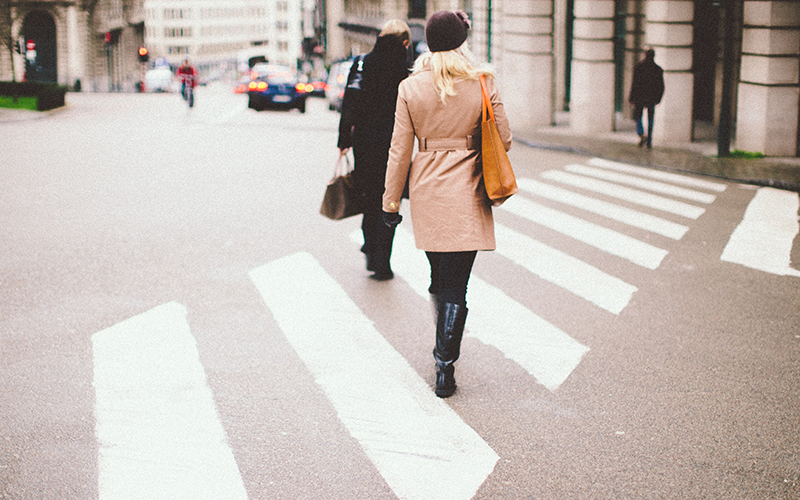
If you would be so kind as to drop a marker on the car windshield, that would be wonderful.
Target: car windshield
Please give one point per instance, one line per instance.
(273, 74)
(280, 77)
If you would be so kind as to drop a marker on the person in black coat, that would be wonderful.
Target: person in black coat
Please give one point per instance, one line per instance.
(647, 89)
(366, 125)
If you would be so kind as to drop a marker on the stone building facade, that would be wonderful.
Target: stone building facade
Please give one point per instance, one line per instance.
(213, 33)
(90, 44)
(573, 60)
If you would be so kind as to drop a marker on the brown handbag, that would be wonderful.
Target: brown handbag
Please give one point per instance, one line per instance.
(341, 199)
(498, 176)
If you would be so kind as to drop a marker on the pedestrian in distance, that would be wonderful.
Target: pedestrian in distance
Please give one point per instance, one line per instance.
(647, 89)
(440, 106)
(188, 77)
(366, 125)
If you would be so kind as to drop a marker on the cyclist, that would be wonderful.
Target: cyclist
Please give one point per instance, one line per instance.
(188, 75)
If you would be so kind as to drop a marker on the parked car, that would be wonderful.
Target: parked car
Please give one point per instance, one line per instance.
(241, 85)
(159, 80)
(337, 81)
(319, 87)
(275, 86)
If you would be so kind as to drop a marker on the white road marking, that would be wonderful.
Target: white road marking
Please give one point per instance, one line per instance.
(763, 240)
(657, 187)
(543, 350)
(565, 271)
(607, 240)
(612, 211)
(627, 194)
(157, 427)
(420, 446)
(658, 174)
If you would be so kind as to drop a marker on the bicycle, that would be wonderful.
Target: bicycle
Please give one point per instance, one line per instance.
(187, 90)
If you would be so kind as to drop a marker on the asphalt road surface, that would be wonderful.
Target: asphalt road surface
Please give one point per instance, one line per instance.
(177, 320)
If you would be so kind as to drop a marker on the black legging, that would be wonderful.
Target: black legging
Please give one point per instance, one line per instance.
(450, 274)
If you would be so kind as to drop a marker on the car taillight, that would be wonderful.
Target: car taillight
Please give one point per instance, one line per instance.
(304, 87)
(252, 85)
(262, 85)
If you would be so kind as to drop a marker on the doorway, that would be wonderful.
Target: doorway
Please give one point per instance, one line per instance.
(39, 28)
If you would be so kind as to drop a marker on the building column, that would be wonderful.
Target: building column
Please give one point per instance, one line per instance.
(592, 86)
(527, 62)
(767, 112)
(16, 33)
(335, 43)
(669, 32)
(481, 32)
(75, 59)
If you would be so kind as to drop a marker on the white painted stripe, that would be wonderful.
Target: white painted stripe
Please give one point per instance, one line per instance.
(656, 187)
(627, 194)
(543, 350)
(763, 240)
(157, 427)
(417, 442)
(658, 174)
(612, 211)
(574, 275)
(607, 240)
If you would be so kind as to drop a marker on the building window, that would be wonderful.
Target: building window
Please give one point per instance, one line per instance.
(417, 9)
(176, 14)
(177, 32)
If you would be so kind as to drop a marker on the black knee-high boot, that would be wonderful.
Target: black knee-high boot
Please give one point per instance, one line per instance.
(449, 331)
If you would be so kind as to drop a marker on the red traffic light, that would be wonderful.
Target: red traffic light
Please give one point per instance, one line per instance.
(30, 45)
(143, 54)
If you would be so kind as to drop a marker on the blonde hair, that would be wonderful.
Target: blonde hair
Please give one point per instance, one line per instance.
(449, 67)
(396, 28)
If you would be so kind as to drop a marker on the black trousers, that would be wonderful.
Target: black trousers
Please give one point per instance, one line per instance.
(378, 238)
(450, 273)
(638, 111)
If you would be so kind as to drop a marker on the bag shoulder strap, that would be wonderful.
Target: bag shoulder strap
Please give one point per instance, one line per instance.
(486, 100)
(343, 166)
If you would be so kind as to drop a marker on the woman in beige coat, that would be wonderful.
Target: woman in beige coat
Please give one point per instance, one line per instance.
(440, 106)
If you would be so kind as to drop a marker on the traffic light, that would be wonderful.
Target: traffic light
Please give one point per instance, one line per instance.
(17, 48)
(30, 45)
(144, 55)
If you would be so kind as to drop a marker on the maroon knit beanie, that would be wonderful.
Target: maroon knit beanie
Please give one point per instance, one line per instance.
(446, 30)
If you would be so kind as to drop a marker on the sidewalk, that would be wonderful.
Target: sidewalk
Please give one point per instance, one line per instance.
(696, 157)
(8, 115)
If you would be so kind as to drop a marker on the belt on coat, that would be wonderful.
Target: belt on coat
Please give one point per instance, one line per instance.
(449, 144)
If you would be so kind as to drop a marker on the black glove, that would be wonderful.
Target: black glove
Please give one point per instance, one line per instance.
(392, 219)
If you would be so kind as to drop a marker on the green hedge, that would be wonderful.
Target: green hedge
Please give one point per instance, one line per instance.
(48, 95)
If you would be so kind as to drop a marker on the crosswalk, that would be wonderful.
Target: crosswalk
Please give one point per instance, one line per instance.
(158, 432)
(149, 381)
(764, 239)
(420, 446)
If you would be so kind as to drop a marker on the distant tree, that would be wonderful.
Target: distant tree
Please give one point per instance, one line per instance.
(7, 16)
